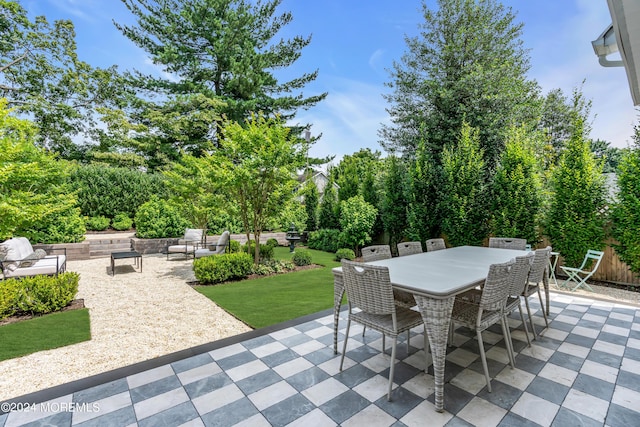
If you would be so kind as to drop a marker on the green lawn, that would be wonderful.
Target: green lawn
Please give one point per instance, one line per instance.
(44, 333)
(274, 299)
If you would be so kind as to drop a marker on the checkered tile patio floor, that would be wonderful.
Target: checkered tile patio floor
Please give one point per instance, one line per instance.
(584, 370)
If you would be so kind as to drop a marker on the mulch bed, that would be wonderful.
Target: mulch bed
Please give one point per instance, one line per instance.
(76, 304)
(257, 276)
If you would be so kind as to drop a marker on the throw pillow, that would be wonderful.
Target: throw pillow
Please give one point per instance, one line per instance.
(31, 259)
(40, 253)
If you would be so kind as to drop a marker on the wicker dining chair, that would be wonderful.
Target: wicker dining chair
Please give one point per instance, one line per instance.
(372, 305)
(488, 311)
(507, 243)
(537, 275)
(376, 253)
(517, 282)
(409, 248)
(435, 245)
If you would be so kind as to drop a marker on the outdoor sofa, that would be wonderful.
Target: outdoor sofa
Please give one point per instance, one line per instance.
(18, 259)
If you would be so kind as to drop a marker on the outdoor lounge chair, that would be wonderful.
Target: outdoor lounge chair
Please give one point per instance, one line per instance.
(580, 275)
(217, 249)
(18, 259)
(188, 244)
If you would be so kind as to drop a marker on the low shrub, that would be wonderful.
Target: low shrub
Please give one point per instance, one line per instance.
(234, 246)
(220, 268)
(159, 219)
(266, 251)
(272, 242)
(96, 223)
(325, 239)
(345, 253)
(122, 222)
(273, 267)
(301, 257)
(37, 294)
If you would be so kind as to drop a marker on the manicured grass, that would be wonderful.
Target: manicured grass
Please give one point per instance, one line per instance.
(274, 299)
(44, 333)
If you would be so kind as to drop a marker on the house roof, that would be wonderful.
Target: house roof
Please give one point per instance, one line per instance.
(623, 35)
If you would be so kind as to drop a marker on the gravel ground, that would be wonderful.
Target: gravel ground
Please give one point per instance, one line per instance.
(137, 317)
(134, 317)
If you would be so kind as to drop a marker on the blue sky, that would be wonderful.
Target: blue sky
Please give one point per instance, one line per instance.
(354, 43)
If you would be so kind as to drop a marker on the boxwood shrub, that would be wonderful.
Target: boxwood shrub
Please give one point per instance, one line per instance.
(97, 223)
(326, 239)
(345, 253)
(220, 268)
(122, 222)
(37, 294)
(301, 257)
(159, 219)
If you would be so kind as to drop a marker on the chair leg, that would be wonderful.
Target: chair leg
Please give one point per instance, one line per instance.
(426, 349)
(533, 328)
(392, 367)
(526, 330)
(344, 346)
(384, 346)
(544, 313)
(408, 339)
(508, 343)
(483, 357)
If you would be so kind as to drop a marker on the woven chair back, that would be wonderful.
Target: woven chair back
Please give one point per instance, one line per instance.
(496, 287)
(376, 253)
(507, 243)
(540, 265)
(409, 248)
(435, 245)
(519, 274)
(368, 287)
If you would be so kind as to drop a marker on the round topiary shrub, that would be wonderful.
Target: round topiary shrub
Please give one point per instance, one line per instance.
(122, 222)
(234, 246)
(157, 219)
(301, 257)
(96, 223)
(272, 242)
(345, 253)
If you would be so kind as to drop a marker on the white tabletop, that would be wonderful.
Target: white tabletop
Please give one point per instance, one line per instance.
(444, 273)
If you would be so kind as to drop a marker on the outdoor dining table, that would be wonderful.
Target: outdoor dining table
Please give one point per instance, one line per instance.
(434, 278)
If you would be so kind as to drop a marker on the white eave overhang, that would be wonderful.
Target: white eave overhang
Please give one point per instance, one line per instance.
(623, 36)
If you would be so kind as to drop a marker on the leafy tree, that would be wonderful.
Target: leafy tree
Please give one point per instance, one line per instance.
(462, 200)
(516, 189)
(394, 203)
(350, 173)
(626, 210)
(223, 50)
(467, 64)
(575, 221)
(328, 212)
(255, 168)
(311, 204)
(356, 219)
(43, 78)
(610, 156)
(35, 200)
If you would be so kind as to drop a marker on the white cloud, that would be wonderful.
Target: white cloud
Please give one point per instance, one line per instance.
(375, 59)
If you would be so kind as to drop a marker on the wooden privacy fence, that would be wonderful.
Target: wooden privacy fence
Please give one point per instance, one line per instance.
(611, 268)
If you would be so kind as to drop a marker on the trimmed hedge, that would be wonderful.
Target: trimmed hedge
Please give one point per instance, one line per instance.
(97, 223)
(37, 294)
(122, 222)
(345, 253)
(301, 257)
(326, 239)
(220, 268)
(159, 219)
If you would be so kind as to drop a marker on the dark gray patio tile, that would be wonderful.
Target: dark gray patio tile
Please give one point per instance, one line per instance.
(344, 406)
(580, 340)
(561, 326)
(598, 311)
(101, 392)
(529, 364)
(279, 358)
(288, 410)
(612, 338)
(191, 362)
(594, 386)
(236, 360)
(155, 388)
(402, 401)
(60, 419)
(207, 385)
(402, 373)
(494, 366)
(567, 361)
(576, 313)
(518, 345)
(619, 323)
(175, 416)
(629, 380)
(451, 370)
(308, 326)
(566, 417)
(546, 342)
(634, 334)
(458, 422)
(320, 356)
(230, 414)
(622, 310)
(605, 358)
(502, 395)
(589, 324)
(619, 416)
(512, 420)
(548, 390)
(295, 340)
(632, 353)
(307, 378)
(258, 342)
(354, 375)
(258, 381)
(3, 419)
(326, 340)
(362, 353)
(455, 398)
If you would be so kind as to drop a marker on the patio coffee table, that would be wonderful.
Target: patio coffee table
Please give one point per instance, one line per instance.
(124, 255)
(434, 278)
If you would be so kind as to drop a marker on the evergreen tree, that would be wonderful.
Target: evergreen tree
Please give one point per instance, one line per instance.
(394, 203)
(328, 215)
(311, 204)
(575, 221)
